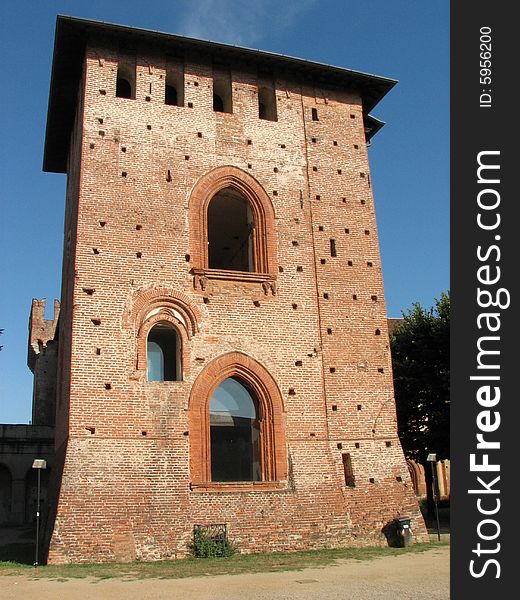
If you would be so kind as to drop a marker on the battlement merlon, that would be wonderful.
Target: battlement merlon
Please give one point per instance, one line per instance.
(41, 330)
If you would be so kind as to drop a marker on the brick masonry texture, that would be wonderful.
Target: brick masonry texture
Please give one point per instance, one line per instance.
(132, 481)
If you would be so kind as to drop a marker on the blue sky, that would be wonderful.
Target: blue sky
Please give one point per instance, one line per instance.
(403, 39)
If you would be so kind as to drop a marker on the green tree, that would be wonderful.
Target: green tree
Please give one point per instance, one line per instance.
(421, 364)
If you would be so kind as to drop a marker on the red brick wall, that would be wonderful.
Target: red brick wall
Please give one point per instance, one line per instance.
(125, 490)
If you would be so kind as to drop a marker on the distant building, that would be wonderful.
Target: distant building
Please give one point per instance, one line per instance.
(223, 351)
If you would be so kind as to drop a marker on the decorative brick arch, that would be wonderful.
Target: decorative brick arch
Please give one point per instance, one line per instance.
(148, 301)
(416, 471)
(264, 240)
(271, 418)
(163, 304)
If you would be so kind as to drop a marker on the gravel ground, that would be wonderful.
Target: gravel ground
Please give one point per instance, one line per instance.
(418, 576)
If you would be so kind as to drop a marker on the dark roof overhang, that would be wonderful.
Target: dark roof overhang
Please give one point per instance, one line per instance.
(73, 34)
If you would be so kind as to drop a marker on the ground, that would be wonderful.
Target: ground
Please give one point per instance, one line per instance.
(414, 576)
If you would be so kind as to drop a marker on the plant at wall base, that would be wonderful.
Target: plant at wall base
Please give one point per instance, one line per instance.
(206, 546)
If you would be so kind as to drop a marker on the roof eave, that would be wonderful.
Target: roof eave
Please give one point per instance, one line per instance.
(71, 36)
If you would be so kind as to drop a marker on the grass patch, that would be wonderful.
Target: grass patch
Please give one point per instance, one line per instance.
(197, 567)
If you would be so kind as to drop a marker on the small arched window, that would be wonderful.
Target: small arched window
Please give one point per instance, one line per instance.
(170, 95)
(174, 85)
(218, 103)
(125, 82)
(163, 352)
(267, 104)
(230, 232)
(123, 88)
(234, 433)
(222, 93)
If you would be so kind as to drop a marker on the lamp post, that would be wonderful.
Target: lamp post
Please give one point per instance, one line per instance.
(38, 464)
(432, 458)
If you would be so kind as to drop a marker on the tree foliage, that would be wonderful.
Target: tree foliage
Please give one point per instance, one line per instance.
(421, 364)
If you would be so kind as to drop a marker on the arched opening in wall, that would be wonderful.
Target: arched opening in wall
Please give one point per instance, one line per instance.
(31, 492)
(163, 353)
(234, 433)
(231, 231)
(413, 475)
(6, 491)
(174, 87)
(267, 104)
(218, 103)
(222, 95)
(125, 83)
(170, 95)
(250, 406)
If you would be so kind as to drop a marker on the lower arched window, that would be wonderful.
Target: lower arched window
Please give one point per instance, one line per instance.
(163, 352)
(234, 433)
(236, 427)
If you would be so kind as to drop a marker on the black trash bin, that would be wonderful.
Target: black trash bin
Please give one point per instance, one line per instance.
(404, 530)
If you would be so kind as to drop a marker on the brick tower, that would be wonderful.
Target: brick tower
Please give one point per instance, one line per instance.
(223, 347)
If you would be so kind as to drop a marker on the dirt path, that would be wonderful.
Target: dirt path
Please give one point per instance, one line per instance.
(418, 576)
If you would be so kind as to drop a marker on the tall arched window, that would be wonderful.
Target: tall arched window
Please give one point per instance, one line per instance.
(234, 433)
(163, 353)
(230, 232)
(236, 426)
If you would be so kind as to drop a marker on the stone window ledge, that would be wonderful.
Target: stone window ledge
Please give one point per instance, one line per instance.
(202, 276)
(239, 486)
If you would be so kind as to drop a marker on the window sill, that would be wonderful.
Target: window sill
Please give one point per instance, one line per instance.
(238, 486)
(202, 276)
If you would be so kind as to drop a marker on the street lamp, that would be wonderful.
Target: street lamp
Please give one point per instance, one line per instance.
(431, 458)
(38, 464)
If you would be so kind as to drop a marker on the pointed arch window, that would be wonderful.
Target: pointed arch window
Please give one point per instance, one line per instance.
(237, 433)
(232, 230)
